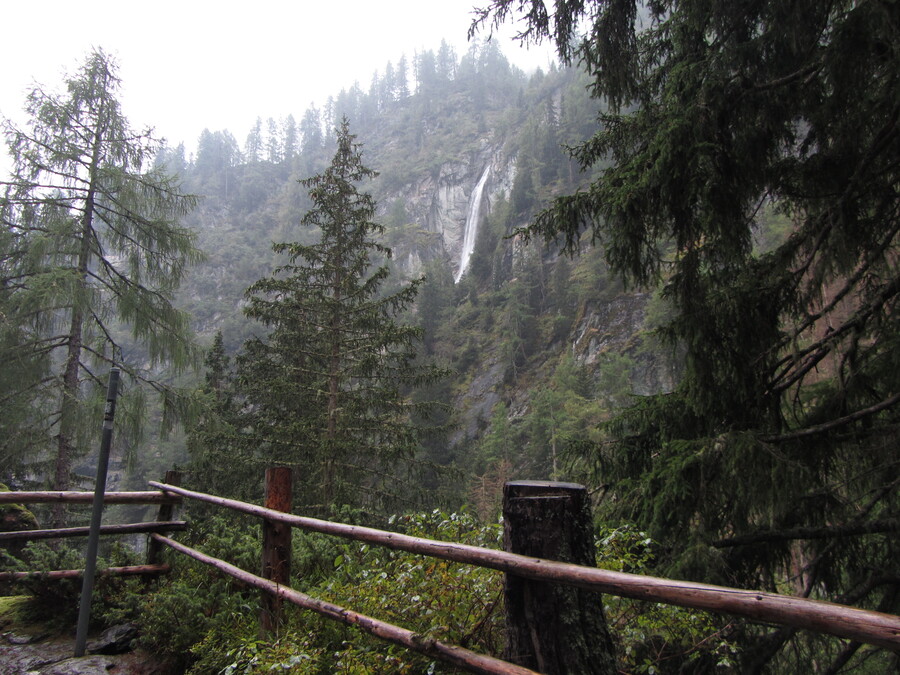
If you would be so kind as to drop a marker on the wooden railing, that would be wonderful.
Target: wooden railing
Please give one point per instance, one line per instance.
(163, 523)
(865, 626)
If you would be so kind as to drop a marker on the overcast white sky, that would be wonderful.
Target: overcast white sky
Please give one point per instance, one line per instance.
(187, 65)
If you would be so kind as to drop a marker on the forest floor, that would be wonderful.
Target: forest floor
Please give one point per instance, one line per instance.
(28, 648)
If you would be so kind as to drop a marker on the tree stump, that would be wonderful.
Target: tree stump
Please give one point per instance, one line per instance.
(552, 628)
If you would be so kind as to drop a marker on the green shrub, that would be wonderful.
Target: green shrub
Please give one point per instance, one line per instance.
(455, 603)
(115, 599)
(200, 613)
(654, 637)
(195, 599)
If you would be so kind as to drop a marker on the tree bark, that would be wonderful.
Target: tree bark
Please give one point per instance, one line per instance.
(276, 547)
(555, 629)
(70, 392)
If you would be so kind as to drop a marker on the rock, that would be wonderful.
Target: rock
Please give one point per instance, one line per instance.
(14, 639)
(53, 656)
(114, 640)
(31, 657)
(84, 665)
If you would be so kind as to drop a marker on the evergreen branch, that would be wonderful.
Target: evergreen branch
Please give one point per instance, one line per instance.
(800, 74)
(850, 285)
(843, 658)
(34, 385)
(829, 532)
(814, 353)
(833, 424)
(99, 323)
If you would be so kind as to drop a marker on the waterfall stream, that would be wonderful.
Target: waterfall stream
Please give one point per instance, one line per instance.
(472, 219)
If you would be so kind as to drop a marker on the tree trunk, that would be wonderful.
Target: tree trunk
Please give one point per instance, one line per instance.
(69, 403)
(555, 629)
(276, 547)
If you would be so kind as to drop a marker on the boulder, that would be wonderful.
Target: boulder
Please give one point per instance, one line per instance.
(85, 665)
(115, 640)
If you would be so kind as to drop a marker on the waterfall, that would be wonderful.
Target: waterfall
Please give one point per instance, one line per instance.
(472, 219)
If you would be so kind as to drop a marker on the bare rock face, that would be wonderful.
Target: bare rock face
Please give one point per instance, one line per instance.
(608, 326)
(439, 204)
(86, 665)
(22, 654)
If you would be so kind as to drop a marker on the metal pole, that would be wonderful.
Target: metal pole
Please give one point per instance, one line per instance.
(90, 564)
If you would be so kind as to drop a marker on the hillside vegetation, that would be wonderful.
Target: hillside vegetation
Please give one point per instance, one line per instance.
(681, 294)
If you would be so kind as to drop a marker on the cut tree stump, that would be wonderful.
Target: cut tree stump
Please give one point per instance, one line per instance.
(551, 628)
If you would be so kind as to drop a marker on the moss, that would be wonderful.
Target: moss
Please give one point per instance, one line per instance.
(13, 612)
(15, 517)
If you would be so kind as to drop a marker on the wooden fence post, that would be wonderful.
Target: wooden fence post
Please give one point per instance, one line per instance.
(276, 551)
(555, 629)
(154, 548)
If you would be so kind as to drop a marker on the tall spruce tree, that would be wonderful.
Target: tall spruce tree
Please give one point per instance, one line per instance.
(92, 256)
(775, 462)
(223, 458)
(328, 388)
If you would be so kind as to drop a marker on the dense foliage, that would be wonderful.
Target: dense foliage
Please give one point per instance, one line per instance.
(736, 171)
(204, 619)
(774, 463)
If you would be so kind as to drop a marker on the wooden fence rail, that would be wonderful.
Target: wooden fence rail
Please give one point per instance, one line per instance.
(875, 628)
(71, 497)
(128, 570)
(866, 626)
(164, 500)
(128, 528)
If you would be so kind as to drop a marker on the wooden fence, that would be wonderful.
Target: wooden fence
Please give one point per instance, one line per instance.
(875, 628)
(163, 523)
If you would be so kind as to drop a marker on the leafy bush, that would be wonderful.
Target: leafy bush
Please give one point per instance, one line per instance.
(654, 637)
(451, 602)
(215, 621)
(56, 601)
(195, 600)
(455, 603)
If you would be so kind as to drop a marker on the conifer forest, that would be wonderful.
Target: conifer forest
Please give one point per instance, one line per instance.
(665, 267)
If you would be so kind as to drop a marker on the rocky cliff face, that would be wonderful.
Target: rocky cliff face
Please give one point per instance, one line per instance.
(439, 204)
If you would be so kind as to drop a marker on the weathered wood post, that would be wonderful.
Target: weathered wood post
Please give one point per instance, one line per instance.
(90, 557)
(551, 628)
(276, 546)
(165, 513)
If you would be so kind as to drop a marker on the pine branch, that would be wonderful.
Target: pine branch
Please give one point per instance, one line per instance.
(833, 424)
(797, 533)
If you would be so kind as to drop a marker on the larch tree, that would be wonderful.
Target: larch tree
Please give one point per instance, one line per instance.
(775, 461)
(93, 253)
(329, 388)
